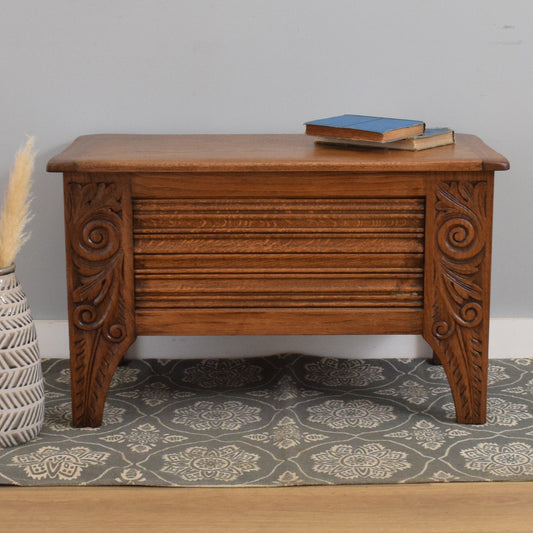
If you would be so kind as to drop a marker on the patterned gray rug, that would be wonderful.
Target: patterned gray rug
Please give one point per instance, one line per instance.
(279, 420)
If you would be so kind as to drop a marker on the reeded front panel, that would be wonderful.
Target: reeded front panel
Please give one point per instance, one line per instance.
(278, 253)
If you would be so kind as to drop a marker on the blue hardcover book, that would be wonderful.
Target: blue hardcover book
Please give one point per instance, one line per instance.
(362, 127)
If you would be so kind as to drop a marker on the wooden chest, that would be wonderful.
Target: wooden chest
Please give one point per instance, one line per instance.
(272, 234)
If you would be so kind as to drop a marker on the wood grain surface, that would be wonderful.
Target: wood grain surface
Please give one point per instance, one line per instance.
(419, 508)
(196, 153)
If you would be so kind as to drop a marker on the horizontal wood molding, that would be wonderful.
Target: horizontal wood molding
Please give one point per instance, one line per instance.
(286, 291)
(282, 243)
(262, 215)
(278, 321)
(208, 253)
(169, 265)
(277, 185)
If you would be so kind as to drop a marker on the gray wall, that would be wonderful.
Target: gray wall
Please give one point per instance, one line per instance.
(72, 67)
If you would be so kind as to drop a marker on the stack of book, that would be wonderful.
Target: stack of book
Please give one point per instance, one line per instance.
(380, 132)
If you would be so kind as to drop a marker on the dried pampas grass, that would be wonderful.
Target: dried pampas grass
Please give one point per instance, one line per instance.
(16, 211)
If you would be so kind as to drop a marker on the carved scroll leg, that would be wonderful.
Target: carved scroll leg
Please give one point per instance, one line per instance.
(92, 369)
(467, 377)
(99, 246)
(457, 288)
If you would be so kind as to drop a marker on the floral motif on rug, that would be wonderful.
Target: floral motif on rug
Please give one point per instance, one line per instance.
(279, 421)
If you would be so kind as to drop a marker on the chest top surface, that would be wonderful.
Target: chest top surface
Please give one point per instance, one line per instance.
(245, 153)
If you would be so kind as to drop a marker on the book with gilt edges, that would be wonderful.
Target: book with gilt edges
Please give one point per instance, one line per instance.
(362, 127)
(431, 138)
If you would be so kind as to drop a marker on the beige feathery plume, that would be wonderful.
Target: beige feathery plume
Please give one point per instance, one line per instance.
(16, 211)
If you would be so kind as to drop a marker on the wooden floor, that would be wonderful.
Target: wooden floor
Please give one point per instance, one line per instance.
(457, 508)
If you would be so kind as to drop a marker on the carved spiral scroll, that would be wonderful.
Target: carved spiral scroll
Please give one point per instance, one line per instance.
(442, 330)
(96, 252)
(86, 317)
(458, 238)
(461, 210)
(100, 238)
(116, 333)
(470, 315)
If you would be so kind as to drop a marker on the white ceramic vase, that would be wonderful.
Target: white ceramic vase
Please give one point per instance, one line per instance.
(21, 376)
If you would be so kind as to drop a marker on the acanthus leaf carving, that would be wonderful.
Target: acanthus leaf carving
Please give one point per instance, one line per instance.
(98, 310)
(460, 218)
(97, 256)
(460, 292)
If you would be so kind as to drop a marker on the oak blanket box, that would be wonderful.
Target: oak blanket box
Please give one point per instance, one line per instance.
(273, 234)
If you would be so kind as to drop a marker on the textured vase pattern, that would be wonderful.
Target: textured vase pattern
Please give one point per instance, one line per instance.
(21, 377)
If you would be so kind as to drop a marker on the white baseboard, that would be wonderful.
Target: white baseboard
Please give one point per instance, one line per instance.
(509, 338)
